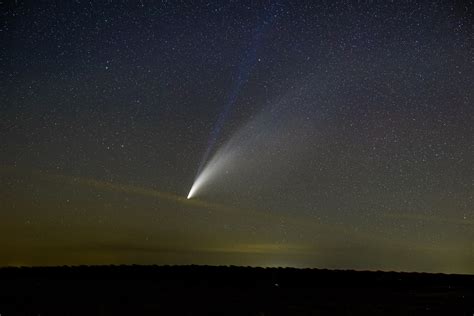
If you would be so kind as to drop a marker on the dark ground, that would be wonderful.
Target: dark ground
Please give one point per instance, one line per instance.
(205, 290)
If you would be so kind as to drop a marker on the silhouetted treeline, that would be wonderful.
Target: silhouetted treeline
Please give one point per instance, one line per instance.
(205, 290)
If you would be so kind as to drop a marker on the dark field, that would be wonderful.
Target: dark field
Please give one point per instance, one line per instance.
(205, 290)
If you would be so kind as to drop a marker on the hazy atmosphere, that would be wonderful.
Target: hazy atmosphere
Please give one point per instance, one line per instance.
(325, 134)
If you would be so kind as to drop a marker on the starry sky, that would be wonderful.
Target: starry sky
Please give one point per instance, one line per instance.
(331, 134)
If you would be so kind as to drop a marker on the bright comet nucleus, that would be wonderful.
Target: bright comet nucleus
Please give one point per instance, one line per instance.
(190, 194)
(220, 162)
(200, 180)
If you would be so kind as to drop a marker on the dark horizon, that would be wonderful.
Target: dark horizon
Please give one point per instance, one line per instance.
(205, 290)
(229, 266)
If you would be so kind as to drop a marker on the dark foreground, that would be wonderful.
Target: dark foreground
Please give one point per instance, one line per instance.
(203, 290)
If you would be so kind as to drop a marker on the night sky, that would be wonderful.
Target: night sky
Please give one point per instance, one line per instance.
(318, 134)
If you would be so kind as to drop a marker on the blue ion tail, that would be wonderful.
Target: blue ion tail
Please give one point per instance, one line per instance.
(246, 66)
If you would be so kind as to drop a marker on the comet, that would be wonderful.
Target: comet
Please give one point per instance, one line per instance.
(222, 161)
(247, 64)
(262, 149)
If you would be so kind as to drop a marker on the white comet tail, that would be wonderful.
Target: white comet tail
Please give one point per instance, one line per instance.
(197, 184)
(263, 134)
(190, 195)
(217, 165)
